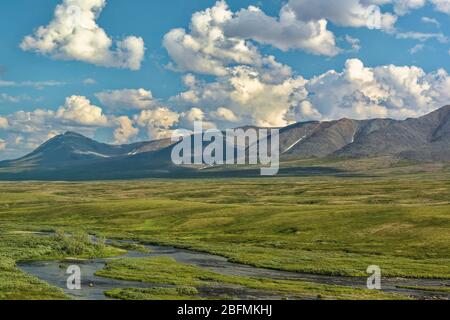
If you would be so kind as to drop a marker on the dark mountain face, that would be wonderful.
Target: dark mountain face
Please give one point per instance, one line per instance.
(416, 139)
(75, 157)
(320, 139)
(74, 149)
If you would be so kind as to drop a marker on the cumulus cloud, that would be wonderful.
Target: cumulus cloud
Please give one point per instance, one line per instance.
(78, 109)
(73, 34)
(386, 91)
(285, 32)
(194, 115)
(347, 13)
(224, 114)
(405, 6)
(125, 130)
(158, 122)
(219, 38)
(188, 119)
(245, 97)
(2, 144)
(77, 114)
(442, 5)
(127, 99)
(206, 49)
(357, 92)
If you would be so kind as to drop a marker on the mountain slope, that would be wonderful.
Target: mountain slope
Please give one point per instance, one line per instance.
(415, 139)
(74, 149)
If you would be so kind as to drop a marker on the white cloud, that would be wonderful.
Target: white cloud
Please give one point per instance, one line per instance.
(354, 42)
(405, 6)
(73, 34)
(421, 36)
(125, 130)
(34, 84)
(205, 49)
(77, 114)
(224, 114)
(89, 81)
(432, 21)
(386, 91)
(285, 32)
(417, 48)
(246, 94)
(218, 38)
(442, 5)
(159, 122)
(193, 115)
(357, 92)
(2, 144)
(127, 99)
(12, 99)
(347, 13)
(79, 110)
(188, 119)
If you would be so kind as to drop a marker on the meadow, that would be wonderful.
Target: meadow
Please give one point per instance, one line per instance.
(332, 225)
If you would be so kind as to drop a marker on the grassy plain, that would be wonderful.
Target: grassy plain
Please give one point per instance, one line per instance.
(322, 224)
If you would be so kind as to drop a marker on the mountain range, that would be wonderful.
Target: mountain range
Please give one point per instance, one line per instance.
(72, 156)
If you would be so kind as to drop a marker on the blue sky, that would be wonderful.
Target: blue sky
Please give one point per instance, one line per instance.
(32, 78)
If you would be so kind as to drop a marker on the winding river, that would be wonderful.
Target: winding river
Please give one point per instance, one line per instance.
(93, 287)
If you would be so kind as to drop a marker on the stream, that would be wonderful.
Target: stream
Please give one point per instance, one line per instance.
(93, 287)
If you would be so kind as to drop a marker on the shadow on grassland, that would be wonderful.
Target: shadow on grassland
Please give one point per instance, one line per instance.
(81, 174)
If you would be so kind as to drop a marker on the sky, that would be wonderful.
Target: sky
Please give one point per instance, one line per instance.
(124, 71)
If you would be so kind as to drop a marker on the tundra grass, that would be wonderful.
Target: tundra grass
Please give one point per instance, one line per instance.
(429, 289)
(181, 293)
(323, 225)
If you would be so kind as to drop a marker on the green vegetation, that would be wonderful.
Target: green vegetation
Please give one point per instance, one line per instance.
(430, 289)
(128, 246)
(324, 225)
(167, 271)
(182, 293)
(14, 247)
(17, 285)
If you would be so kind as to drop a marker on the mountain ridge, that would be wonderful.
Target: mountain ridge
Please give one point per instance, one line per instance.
(426, 138)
